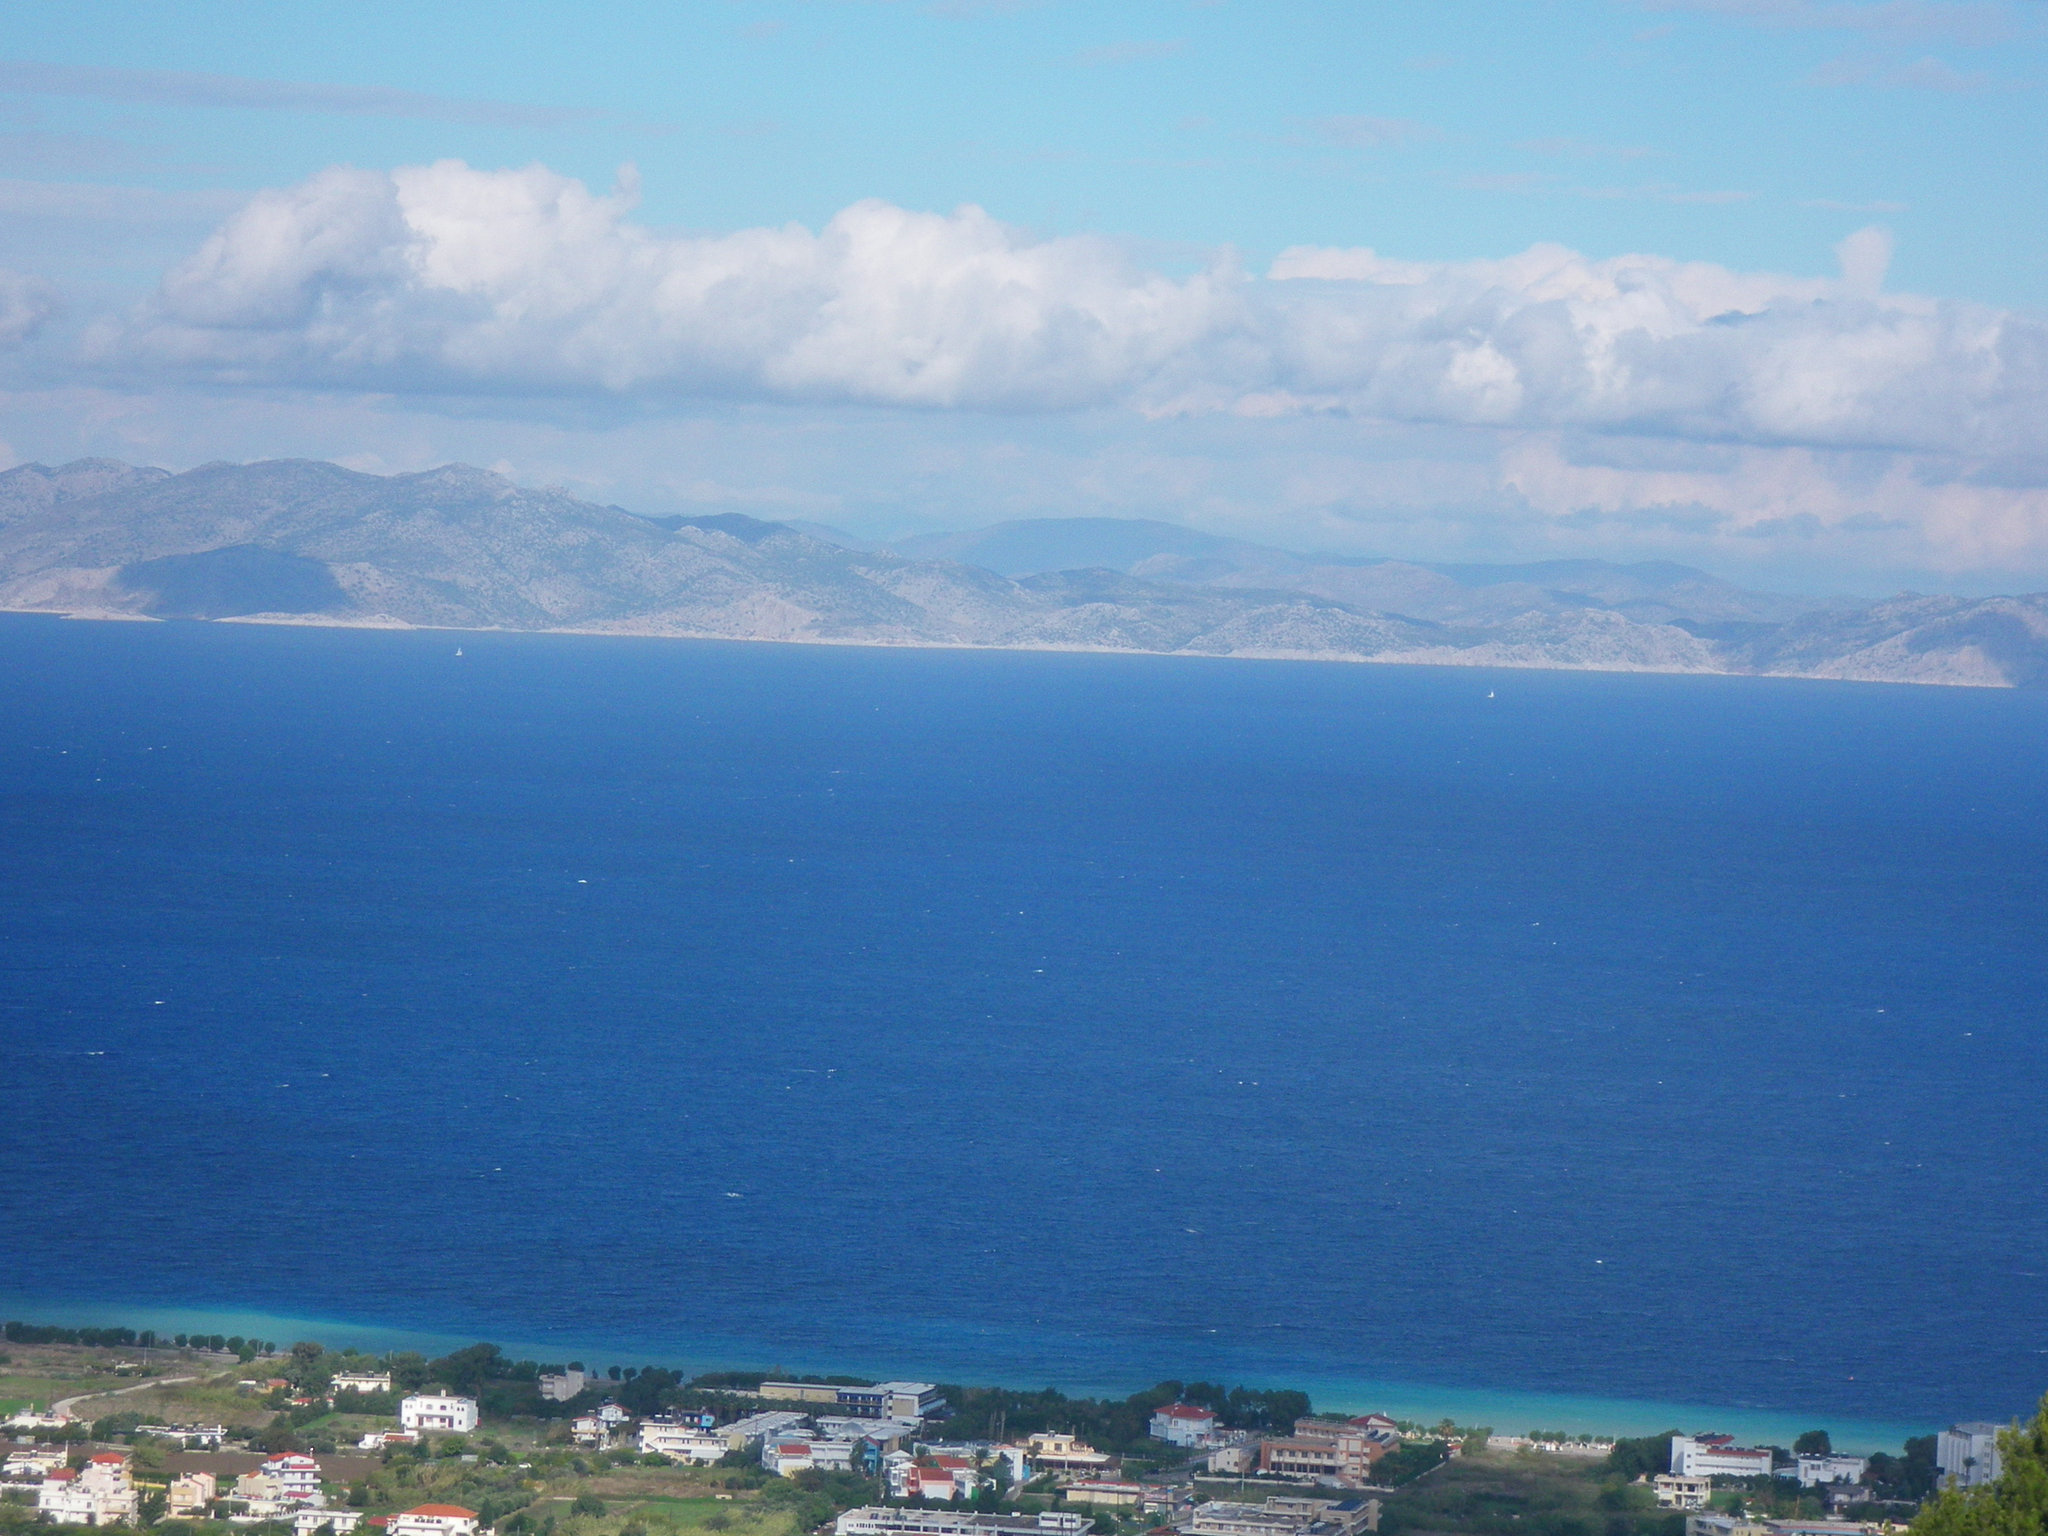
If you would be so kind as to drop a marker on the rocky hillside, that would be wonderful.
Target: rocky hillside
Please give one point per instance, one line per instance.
(298, 541)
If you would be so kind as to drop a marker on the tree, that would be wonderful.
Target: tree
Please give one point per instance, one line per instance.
(587, 1504)
(2015, 1504)
(1814, 1442)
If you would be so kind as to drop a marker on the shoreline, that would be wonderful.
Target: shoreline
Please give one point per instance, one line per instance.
(379, 624)
(1504, 1411)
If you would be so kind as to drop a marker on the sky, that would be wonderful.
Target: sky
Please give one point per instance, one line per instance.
(1759, 285)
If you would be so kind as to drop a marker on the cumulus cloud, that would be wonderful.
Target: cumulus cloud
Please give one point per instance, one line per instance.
(445, 278)
(25, 303)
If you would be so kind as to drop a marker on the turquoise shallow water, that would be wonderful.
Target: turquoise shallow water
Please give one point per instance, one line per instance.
(1545, 1040)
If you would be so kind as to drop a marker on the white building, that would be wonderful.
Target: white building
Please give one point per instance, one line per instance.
(433, 1520)
(297, 1478)
(1814, 1470)
(1184, 1424)
(876, 1520)
(1681, 1492)
(193, 1437)
(1968, 1454)
(377, 1439)
(428, 1410)
(1716, 1456)
(103, 1493)
(682, 1441)
(362, 1381)
(1058, 1451)
(36, 1462)
(787, 1455)
(591, 1432)
(931, 1477)
(310, 1522)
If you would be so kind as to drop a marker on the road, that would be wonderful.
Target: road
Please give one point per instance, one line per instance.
(63, 1410)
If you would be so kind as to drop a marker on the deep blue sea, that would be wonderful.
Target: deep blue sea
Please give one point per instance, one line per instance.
(1532, 1044)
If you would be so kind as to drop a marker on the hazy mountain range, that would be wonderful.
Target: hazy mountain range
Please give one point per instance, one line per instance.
(456, 547)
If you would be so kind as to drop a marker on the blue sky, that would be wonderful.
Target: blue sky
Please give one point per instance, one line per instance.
(1155, 159)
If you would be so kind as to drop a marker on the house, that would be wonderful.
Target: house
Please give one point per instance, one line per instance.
(1183, 1424)
(377, 1439)
(561, 1386)
(1681, 1492)
(433, 1520)
(1236, 1455)
(297, 1478)
(930, 1477)
(191, 1495)
(1716, 1456)
(1967, 1455)
(427, 1410)
(687, 1439)
(787, 1455)
(101, 1493)
(37, 1463)
(591, 1432)
(362, 1381)
(1057, 1451)
(613, 1415)
(1111, 1495)
(310, 1522)
(1815, 1470)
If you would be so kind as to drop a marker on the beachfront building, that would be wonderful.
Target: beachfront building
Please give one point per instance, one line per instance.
(884, 1400)
(1184, 1424)
(1681, 1492)
(434, 1410)
(561, 1386)
(1967, 1455)
(1346, 1457)
(362, 1381)
(433, 1520)
(1716, 1456)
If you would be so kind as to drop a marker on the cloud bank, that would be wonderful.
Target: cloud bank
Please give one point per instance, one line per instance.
(444, 278)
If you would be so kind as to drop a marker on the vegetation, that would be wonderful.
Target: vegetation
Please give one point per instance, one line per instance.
(2016, 1504)
(1526, 1493)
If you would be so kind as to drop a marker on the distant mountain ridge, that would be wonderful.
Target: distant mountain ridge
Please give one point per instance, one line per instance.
(304, 541)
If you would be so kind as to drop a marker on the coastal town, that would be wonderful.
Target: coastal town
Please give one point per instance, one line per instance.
(310, 1441)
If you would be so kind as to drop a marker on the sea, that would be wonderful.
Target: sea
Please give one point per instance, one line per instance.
(1546, 1050)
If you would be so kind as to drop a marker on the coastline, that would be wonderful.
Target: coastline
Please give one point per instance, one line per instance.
(1506, 1412)
(1448, 660)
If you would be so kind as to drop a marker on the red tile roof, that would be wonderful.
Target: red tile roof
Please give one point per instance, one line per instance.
(443, 1511)
(1186, 1411)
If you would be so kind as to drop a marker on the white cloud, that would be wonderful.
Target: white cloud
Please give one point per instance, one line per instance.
(447, 279)
(25, 303)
